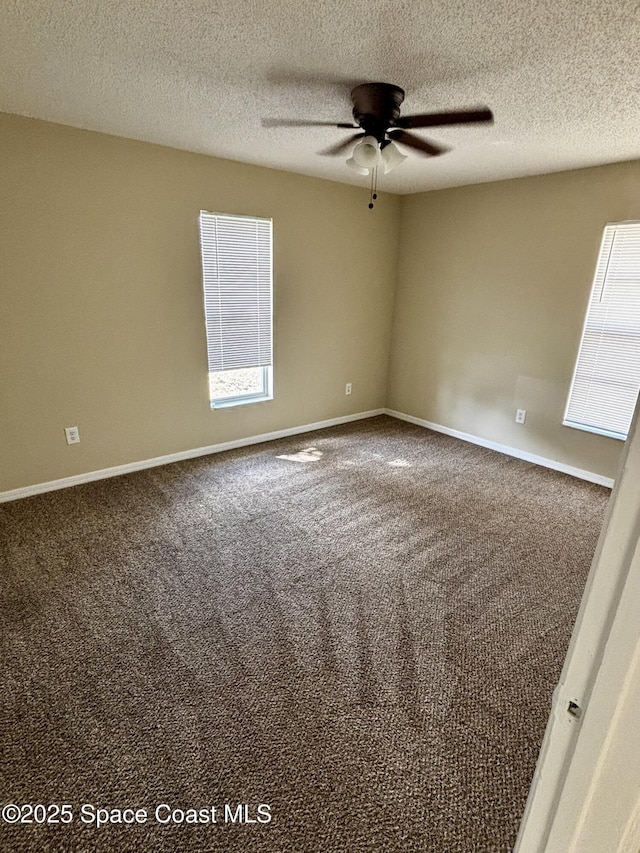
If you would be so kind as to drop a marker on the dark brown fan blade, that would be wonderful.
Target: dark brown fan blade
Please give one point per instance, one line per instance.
(437, 119)
(422, 145)
(341, 147)
(294, 122)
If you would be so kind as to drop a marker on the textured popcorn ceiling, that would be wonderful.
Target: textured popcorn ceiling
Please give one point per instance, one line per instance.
(560, 75)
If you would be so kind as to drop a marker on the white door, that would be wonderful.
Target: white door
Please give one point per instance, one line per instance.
(585, 795)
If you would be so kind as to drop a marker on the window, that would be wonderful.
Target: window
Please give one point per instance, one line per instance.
(607, 375)
(237, 280)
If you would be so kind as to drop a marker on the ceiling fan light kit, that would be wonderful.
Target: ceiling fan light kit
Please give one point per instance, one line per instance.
(370, 153)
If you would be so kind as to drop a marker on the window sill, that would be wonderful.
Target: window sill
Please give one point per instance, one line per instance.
(595, 430)
(240, 401)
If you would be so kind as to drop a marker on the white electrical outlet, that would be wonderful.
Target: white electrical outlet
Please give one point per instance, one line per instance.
(347, 389)
(521, 416)
(72, 434)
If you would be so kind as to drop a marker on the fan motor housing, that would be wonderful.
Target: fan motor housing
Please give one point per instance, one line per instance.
(376, 107)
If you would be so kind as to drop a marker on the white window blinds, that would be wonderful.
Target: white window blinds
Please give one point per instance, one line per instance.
(607, 375)
(237, 273)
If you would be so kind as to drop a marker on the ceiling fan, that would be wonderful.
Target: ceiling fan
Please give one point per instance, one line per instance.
(376, 112)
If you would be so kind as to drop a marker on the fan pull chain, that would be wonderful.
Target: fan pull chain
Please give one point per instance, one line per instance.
(374, 186)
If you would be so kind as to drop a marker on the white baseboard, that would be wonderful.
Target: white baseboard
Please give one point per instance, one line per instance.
(509, 451)
(104, 473)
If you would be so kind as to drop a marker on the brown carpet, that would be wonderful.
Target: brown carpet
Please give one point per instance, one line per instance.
(363, 637)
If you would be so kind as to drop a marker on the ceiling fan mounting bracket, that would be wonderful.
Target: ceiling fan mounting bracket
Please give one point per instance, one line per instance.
(376, 107)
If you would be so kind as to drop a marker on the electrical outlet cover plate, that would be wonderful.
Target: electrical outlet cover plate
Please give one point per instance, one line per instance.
(72, 434)
(521, 416)
(347, 389)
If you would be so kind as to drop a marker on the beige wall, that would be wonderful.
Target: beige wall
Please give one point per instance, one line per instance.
(493, 284)
(101, 321)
